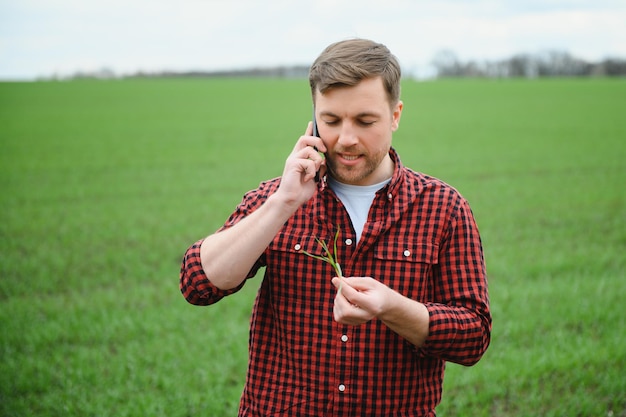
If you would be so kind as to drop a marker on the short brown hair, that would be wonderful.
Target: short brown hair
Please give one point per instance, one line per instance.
(346, 63)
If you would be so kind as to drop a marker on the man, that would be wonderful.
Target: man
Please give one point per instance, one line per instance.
(413, 294)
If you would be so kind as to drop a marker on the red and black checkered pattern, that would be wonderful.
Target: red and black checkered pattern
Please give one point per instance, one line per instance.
(421, 240)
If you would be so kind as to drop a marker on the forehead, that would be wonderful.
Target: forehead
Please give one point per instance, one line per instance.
(369, 93)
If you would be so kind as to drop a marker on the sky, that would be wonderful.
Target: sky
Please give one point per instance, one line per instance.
(43, 38)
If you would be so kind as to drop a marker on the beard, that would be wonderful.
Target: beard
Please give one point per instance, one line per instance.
(359, 173)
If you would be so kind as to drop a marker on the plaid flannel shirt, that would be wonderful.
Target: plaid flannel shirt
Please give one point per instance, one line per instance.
(421, 240)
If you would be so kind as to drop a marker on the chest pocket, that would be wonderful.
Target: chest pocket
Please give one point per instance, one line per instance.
(407, 266)
(292, 273)
(407, 250)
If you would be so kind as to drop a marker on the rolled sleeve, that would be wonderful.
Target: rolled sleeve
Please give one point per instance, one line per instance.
(456, 335)
(194, 284)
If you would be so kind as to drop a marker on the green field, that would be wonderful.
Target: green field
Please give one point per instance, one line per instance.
(106, 183)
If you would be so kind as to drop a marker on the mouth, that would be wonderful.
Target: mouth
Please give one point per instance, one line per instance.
(348, 159)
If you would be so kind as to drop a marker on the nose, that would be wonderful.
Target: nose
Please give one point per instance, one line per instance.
(347, 136)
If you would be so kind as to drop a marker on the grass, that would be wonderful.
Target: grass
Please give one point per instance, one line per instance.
(106, 183)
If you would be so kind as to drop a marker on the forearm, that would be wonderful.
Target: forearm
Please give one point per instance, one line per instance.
(455, 334)
(228, 256)
(408, 318)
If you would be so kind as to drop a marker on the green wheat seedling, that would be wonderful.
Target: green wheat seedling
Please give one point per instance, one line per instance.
(331, 257)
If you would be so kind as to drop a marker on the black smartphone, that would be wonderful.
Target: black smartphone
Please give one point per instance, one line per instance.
(316, 133)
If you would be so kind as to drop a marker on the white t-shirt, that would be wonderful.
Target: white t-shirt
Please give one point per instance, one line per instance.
(357, 200)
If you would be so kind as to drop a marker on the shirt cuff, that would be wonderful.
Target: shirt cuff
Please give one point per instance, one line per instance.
(194, 284)
(455, 334)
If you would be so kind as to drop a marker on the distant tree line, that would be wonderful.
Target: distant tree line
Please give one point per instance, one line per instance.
(445, 63)
(296, 71)
(544, 64)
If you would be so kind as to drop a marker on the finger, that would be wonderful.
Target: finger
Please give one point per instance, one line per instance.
(311, 152)
(309, 140)
(345, 282)
(337, 282)
(345, 291)
(309, 129)
(346, 313)
(343, 308)
(309, 169)
(308, 153)
(312, 142)
(359, 284)
(322, 171)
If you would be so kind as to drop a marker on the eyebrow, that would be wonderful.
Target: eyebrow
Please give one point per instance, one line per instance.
(358, 116)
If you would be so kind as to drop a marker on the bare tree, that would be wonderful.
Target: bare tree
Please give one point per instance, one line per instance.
(447, 64)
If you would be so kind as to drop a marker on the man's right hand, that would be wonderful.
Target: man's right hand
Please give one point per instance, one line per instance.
(297, 184)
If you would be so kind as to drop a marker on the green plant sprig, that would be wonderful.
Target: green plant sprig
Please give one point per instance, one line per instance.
(331, 257)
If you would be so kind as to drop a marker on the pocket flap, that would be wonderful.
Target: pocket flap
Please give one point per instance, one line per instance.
(286, 242)
(407, 250)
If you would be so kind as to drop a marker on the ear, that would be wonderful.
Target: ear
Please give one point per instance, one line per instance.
(397, 112)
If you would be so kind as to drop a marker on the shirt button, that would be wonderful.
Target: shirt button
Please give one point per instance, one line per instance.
(297, 247)
(342, 388)
(407, 252)
(344, 338)
(389, 196)
(348, 242)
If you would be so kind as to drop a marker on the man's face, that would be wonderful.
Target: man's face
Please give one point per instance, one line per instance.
(356, 125)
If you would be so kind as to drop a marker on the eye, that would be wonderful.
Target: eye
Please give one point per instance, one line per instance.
(332, 122)
(366, 123)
